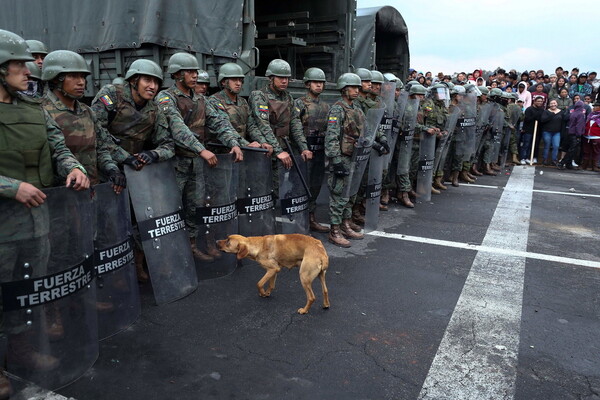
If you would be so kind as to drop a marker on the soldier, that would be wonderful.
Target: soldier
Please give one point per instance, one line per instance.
(313, 114)
(141, 143)
(381, 140)
(276, 116)
(458, 136)
(345, 124)
(434, 114)
(492, 136)
(189, 114)
(390, 174)
(38, 51)
(33, 153)
(515, 115)
(35, 85)
(481, 128)
(65, 72)
(202, 83)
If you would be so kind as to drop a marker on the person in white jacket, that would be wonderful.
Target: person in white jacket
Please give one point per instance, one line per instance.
(524, 94)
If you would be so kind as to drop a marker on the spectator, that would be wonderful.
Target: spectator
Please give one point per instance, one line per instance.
(421, 80)
(595, 84)
(559, 71)
(547, 84)
(539, 91)
(586, 108)
(563, 100)
(581, 87)
(575, 71)
(428, 74)
(524, 94)
(587, 100)
(573, 137)
(572, 81)
(427, 82)
(552, 120)
(561, 83)
(532, 114)
(591, 140)
(525, 77)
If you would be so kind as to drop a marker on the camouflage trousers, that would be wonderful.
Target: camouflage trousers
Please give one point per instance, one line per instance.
(404, 150)
(340, 208)
(414, 163)
(191, 188)
(316, 174)
(454, 161)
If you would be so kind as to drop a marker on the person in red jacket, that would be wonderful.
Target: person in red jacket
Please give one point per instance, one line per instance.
(591, 139)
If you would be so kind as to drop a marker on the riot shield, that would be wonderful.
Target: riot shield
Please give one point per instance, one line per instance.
(315, 140)
(482, 122)
(156, 202)
(293, 198)
(216, 214)
(48, 293)
(373, 190)
(444, 144)
(255, 202)
(504, 146)
(388, 92)
(468, 124)
(497, 130)
(396, 130)
(426, 164)
(118, 294)
(407, 132)
(362, 151)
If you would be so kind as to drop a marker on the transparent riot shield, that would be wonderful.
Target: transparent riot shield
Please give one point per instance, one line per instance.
(468, 124)
(156, 202)
(497, 130)
(255, 201)
(293, 197)
(396, 130)
(481, 125)
(388, 94)
(504, 146)
(315, 140)
(409, 122)
(426, 164)
(362, 151)
(373, 190)
(444, 144)
(216, 215)
(118, 302)
(48, 293)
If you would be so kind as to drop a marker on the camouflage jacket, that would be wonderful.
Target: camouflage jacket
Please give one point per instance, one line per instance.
(238, 113)
(62, 158)
(106, 107)
(434, 113)
(313, 114)
(219, 127)
(261, 110)
(336, 120)
(80, 126)
(366, 103)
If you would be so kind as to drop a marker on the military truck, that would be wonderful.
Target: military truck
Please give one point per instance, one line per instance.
(332, 35)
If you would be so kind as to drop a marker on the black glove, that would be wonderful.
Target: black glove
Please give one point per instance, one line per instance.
(339, 170)
(133, 162)
(386, 147)
(381, 148)
(117, 178)
(147, 156)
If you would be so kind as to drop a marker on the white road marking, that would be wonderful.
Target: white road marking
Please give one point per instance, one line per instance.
(477, 358)
(535, 190)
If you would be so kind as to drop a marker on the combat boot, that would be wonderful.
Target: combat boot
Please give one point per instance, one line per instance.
(454, 178)
(405, 200)
(475, 171)
(464, 176)
(348, 232)
(336, 237)
(315, 226)
(21, 352)
(385, 197)
(412, 194)
(355, 227)
(515, 159)
(495, 167)
(488, 170)
(211, 246)
(437, 184)
(435, 191)
(356, 215)
(142, 276)
(198, 255)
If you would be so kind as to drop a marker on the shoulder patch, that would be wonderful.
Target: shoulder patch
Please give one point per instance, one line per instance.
(220, 106)
(164, 99)
(106, 100)
(263, 108)
(332, 120)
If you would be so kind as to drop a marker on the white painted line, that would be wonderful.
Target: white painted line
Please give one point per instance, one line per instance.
(566, 193)
(477, 358)
(488, 249)
(481, 186)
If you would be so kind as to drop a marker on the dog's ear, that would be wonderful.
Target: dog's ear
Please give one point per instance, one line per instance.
(242, 251)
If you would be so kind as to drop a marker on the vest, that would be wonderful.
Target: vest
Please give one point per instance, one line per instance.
(280, 116)
(352, 129)
(131, 126)
(24, 149)
(238, 115)
(193, 113)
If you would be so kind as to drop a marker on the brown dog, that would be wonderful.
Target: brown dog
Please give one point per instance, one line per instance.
(273, 252)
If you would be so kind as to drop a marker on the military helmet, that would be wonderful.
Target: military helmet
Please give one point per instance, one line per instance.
(62, 61)
(449, 85)
(364, 74)
(515, 95)
(119, 80)
(279, 67)
(13, 47)
(483, 90)
(458, 89)
(182, 61)
(348, 79)
(202, 77)
(376, 77)
(35, 71)
(495, 92)
(144, 67)
(36, 47)
(229, 70)
(391, 77)
(314, 74)
(417, 89)
(436, 86)
(506, 95)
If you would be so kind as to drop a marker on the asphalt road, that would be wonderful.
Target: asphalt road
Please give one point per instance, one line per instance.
(489, 291)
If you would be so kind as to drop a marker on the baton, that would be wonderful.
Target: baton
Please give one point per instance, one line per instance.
(533, 143)
(287, 143)
(259, 149)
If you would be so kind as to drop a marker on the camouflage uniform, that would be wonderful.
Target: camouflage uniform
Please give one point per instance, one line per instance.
(405, 147)
(86, 139)
(455, 158)
(238, 113)
(515, 115)
(188, 116)
(313, 114)
(435, 114)
(492, 142)
(345, 123)
(115, 110)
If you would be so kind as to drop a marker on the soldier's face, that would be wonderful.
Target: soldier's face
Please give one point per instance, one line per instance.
(201, 88)
(365, 86)
(376, 88)
(235, 85)
(315, 87)
(147, 87)
(352, 92)
(281, 82)
(39, 59)
(190, 76)
(17, 76)
(397, 93)
(74, 84)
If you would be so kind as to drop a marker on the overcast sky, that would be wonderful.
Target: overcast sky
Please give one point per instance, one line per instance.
(452, 36)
